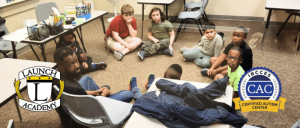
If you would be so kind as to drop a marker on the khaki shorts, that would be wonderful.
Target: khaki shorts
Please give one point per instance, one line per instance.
(111, 42)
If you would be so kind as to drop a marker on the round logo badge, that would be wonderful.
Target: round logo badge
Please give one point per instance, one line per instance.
(259, 84)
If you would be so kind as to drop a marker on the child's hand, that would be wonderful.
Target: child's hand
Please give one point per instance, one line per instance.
(170, 47)
(85, 65)
(130, 47)
(73, 39)
(155, 41)
(213, 73)
(129, 21)
(209, 71)
(105, 92)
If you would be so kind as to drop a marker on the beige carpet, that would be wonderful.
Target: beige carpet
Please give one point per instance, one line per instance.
(277, 55)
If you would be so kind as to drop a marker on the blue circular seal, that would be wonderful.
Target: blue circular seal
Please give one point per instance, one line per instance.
(259, 83)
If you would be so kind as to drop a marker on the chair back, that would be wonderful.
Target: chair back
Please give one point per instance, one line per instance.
(84, 109)
(43, 10)
(205, 3)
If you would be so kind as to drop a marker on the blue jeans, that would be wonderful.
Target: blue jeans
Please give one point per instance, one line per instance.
(87, 83)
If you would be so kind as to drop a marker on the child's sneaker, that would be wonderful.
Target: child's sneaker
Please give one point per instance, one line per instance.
(168, 52)
(204, 71)
(132, 83)
(99, 66)
(118, 55)
(142, 55)
(151, 78)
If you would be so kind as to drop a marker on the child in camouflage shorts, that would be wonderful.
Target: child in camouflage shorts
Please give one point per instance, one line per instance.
(161, 35)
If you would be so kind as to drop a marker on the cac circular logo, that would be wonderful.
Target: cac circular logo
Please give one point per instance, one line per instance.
(259, 83)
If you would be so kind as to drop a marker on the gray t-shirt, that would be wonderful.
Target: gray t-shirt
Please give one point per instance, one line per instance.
(211, 47)
(161, 30)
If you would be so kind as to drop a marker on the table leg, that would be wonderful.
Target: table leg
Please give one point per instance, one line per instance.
(103, 26)
(167, 12)
(142, 20)
(81, 39)
(183, 4)
(17, 106)
(43, 52)
(267, 25)
(297, 43)
(34, 52)
(297, 40)
(14, 50)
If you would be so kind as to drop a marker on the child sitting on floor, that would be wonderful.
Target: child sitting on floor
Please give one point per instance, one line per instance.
(209, 46)
(235, 71)
(218, 64)
(86, 65)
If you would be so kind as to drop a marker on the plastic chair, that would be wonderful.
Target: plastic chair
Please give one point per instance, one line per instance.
(192, 15)
(198, 5)
(11, 124)
(95, 111)
(43, 10)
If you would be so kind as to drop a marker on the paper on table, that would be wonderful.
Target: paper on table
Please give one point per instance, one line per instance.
(17, 36)
(68, 27)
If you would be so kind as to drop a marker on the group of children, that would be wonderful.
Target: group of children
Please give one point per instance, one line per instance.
(121, 39)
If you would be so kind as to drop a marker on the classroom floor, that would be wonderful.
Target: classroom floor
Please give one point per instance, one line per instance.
(277, 55)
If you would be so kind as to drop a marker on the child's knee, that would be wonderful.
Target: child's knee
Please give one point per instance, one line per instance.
(212, 60)
(127, 93)
(202, 63)
(185, 55)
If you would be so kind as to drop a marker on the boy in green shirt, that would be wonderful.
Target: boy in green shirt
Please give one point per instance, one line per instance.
(235, 71)
(160, 34)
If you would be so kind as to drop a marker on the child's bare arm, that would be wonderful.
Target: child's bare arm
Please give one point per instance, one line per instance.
(150, 37)
(119, 39)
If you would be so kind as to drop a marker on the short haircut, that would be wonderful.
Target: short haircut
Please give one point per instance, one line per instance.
(177, 68)
(239, 50)
(162, 15)
(65, 34)
(60, 54)
(245, 31)
(127, 9)
(209, 25)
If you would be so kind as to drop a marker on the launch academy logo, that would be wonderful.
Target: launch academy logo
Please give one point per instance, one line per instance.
(39, 86)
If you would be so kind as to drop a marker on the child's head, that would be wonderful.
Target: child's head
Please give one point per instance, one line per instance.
(239, 35)
(157, 15)
(67, 37)
(234, 57)
(173, 72)
(127, 12)
(209, 30)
